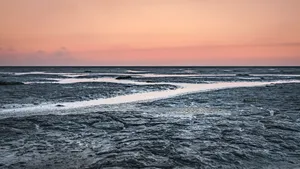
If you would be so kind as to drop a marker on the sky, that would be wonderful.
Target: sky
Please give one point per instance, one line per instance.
(150, 32)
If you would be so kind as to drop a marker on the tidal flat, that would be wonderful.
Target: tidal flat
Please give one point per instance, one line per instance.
(156, 117)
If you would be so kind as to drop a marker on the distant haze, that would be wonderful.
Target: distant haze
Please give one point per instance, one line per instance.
(150, 32)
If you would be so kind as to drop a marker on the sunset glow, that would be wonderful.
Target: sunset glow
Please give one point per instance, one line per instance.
(150, 32)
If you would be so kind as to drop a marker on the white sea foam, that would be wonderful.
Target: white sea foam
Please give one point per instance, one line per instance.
(136, 71)
(183, 88)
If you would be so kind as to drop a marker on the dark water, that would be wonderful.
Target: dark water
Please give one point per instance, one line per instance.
(256, 127)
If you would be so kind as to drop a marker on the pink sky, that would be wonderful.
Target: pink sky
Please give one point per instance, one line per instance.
(150, 32)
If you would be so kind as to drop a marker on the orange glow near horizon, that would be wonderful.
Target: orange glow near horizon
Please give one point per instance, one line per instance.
(150, 32)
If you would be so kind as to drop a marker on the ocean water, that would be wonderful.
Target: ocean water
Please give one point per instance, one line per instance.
(149, 117)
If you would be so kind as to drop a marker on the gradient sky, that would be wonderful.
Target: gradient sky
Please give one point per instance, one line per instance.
(150, 32)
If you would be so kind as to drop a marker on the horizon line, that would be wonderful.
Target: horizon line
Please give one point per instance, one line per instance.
(151, 66)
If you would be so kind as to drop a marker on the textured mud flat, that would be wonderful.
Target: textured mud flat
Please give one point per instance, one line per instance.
(255, 127)
(35, 94)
